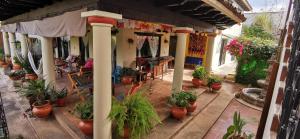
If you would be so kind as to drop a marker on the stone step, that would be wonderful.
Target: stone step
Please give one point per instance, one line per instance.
(202, 122)
(170, 126)
(69, 126)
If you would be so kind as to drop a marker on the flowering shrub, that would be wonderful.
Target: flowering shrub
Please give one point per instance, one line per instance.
(235, 48)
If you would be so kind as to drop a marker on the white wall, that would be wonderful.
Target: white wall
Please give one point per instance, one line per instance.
(230, 33)
(126, 53)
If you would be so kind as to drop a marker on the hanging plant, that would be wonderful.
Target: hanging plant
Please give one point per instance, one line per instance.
(235, 48)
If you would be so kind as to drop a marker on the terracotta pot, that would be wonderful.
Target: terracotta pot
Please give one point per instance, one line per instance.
(60, 102)
(216, 86)
(86, 127)
(191, 107)
(126, 132)
(14, 78)
(4, 65)
(42, 111)
(178, 112)
(127, 79)
(1, 62)
(31, 76)
(197, 82)
(17, 67)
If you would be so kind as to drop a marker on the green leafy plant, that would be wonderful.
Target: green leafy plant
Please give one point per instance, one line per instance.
(199, 72)
(235, 131)
(84, 109)
(191, 97)
(25, 64)
(62, 93)
(134, 112)
(213, 79)
(179, 99)
(37, 90)
(19, 73)
(128, 72)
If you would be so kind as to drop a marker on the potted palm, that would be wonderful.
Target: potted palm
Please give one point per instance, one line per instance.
(191, 98)
(60, 97)
(214, 83)
(179, 102)
(127, 75)
(25, 64)
(235, 131)
(84, 110)
(16, 75)
(37, 92)
(134, 116)
(199, 75)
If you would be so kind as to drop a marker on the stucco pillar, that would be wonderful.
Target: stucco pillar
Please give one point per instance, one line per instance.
(12, 44)
(101, 23)
(48, 60)
(6, 44)
(210, 50)
(182, 34)
(24, 46)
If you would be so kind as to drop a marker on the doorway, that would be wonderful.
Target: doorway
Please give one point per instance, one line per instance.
(172, 50)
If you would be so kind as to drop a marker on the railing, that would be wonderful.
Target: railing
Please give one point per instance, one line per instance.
(289, 120)
(3, 124)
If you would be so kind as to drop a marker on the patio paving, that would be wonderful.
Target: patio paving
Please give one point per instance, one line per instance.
(20, 124)
(250, 115)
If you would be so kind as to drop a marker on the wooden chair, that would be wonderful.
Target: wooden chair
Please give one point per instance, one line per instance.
(76, 87)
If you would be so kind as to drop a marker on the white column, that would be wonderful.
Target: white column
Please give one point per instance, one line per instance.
(182, 34)
(24, 46)
(209, 52)
(6, 44)
(12, 44)
(48, 60)
(101, 23)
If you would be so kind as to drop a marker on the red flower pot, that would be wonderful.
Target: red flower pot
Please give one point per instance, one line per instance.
(86, 127)
(197, 82)
(126, 132)
(31, 76)
(191, 107)
(17, 67)
(178, 112)
(4, 65)
(127, 79)
(42, 111)
(60, 102)
(216, 86)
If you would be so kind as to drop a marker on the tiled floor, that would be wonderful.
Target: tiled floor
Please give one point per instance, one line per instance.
(251, 116)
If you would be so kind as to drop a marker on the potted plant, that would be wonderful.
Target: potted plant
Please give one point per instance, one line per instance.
(235, 131)
(37, 92)
(60, 97)
(85, 112)
(199, 75)
(179, 102)
(16, 75)
(191, 98)
(25, 64)
(214, 83)
(127, 75)
(134, 116)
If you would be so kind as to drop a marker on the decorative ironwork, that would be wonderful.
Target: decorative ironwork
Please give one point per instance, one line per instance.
(290, 115)
(3, 124)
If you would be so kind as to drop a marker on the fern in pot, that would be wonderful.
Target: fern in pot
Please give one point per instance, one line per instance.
(191, 98)
(61, 97)
(84, 110)
(179, 102)
(134, 117)
(25, 64)
(199, 75)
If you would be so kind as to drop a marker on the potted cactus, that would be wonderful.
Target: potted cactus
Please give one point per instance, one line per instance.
(199, 75)
(60, 97)
(16, 75)
(214, 83)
